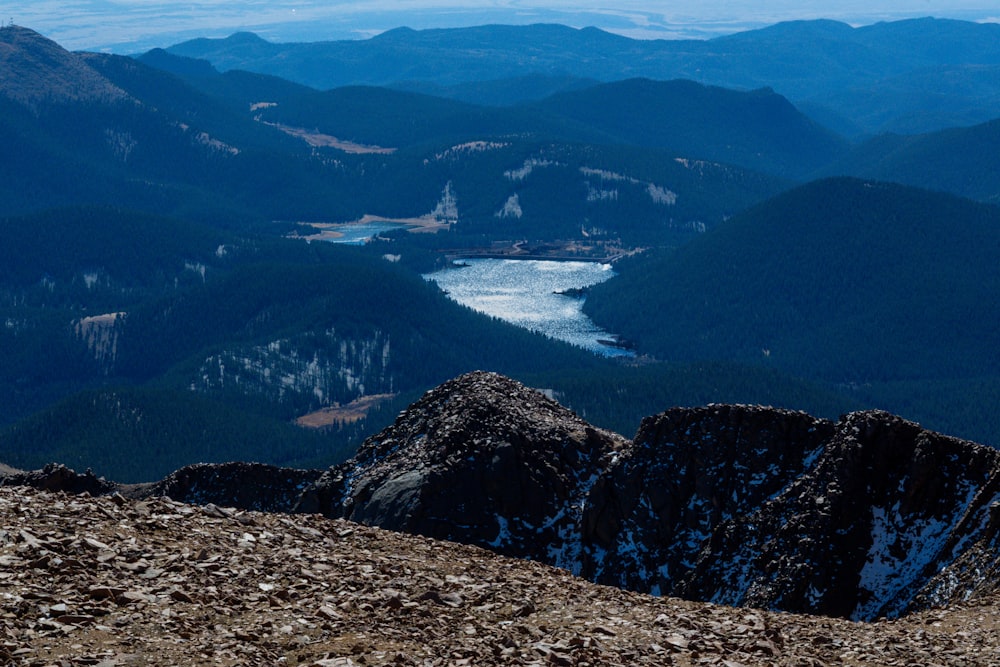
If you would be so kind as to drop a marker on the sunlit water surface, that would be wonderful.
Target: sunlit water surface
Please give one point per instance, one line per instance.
(524, 292)
(361, 233)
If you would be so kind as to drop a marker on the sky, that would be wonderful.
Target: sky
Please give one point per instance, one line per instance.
(133, 26)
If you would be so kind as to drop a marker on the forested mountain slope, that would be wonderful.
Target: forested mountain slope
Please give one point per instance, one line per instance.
(760, 130)
(240, 149)
(145, 212)
(275, 328)
(857, 283)
(960, 160)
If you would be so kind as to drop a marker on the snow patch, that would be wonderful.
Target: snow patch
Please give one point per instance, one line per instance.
(503, 533)
(525, 170)
(902, 546)
(470, 147)
(661, 195)
(196, 267)
(447, 207)
(511, 209)
(596, 194)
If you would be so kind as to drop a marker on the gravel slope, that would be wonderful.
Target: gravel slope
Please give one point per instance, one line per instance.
(112, 582)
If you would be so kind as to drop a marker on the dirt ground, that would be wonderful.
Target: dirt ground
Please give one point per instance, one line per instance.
(350, 413)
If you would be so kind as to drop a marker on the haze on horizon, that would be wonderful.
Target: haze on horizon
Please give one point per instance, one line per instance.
(131, 26)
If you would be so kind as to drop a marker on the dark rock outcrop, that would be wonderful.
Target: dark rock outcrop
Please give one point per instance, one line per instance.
(56, 477)
(482, 460)
(867, 517)
(865, 531)
(689, 471)
(245, 486)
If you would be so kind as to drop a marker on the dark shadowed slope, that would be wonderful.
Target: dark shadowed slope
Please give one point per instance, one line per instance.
(842, 279)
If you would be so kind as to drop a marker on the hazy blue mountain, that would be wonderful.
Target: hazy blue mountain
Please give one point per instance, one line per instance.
(922, 101)
(39, 72)
(238, 88)
(144, 204)
(820, 63)
(399, 119)
(107, 130)
(501, 92)
(964, 161)
(535, 171)
(444, 56)
(189, 141)
(758, 130)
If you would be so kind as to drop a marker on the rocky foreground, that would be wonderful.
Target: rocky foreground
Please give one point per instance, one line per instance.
(868, 517)
(112, 582)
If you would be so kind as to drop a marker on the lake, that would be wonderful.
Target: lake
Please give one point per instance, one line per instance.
(358, 233)
(523, 292)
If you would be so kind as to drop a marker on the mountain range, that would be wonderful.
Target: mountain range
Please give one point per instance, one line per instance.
(146, 268)
(905, 76)
(738, 505)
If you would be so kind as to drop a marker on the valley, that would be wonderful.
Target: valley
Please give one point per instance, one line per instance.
(753, 278)
(672, 167)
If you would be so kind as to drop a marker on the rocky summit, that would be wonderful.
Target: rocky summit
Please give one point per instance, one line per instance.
(482, 460)
(868, 517)
(741, 505)
(688, 473)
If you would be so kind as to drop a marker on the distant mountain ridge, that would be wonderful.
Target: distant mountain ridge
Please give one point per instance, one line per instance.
(960, 160)
(867, 517)
(220, 148)
(811, 62)
(758, 129)
(100, 129)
